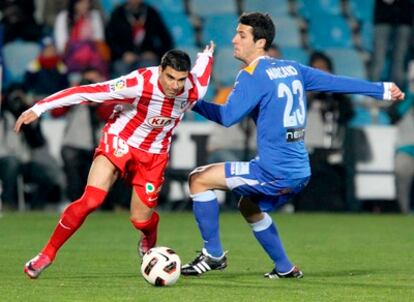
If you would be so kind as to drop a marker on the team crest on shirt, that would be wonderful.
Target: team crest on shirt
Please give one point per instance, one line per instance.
(160, 121)
(149, 188)
(185, 106)
(117, 85)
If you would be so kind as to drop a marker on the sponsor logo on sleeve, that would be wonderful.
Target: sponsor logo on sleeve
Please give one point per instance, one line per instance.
(117, 85)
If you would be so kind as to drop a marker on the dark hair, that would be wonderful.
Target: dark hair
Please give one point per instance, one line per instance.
(71, 11)
(318, 55)
(176, 59)
(263, 27)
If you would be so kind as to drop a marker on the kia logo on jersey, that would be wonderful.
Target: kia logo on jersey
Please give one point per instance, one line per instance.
(160, 121)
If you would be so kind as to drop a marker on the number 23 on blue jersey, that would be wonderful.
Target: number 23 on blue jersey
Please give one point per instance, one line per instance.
(294, 115)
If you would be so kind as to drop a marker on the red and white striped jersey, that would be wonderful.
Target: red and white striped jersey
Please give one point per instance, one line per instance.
(145, 118)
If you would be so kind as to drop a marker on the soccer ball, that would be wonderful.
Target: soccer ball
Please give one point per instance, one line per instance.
(161, 266)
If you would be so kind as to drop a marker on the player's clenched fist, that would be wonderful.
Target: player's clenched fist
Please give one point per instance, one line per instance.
(396, 93)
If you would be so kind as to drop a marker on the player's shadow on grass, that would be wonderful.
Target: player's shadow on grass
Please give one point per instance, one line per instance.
(343, 273)
(233, 279)
(89, 276)
(225, 275)
(252, 281)
(359, 284)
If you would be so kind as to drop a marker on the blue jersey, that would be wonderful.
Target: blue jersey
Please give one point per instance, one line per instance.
(272, 92)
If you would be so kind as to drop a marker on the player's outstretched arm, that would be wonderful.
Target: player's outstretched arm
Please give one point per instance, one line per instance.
(317, 80)
(27, 117)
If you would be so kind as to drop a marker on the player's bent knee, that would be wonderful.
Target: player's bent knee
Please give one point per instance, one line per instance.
(83, 207)
(91, 199)
(192, 178)
(197, 175)
(148, 195)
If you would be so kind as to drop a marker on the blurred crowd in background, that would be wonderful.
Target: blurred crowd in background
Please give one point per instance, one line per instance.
(49, 45)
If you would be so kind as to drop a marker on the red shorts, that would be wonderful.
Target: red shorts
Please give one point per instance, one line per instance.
(143, 170)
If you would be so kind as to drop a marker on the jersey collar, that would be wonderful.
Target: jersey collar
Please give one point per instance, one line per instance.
(257, 59)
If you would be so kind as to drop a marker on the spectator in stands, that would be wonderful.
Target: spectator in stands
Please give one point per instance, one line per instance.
(46, 74)
(402, 115)
(334, 111)
(18, 21)
(404, 156)
(79, 37)
(392, 27)
(49, 9)
(328, 117)
(231, 144)
(37, 165)
(83, 124)
(274, 51)
(80, 138)
(10, 154)
(137, 36)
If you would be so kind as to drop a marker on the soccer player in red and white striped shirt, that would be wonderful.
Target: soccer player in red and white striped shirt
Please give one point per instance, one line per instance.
(134, 144)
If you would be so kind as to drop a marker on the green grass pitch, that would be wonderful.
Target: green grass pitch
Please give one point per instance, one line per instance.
(343, 257)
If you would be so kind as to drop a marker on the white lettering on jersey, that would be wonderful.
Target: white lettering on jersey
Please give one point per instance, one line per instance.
(297, 117)
(281, 72)
(120, 146)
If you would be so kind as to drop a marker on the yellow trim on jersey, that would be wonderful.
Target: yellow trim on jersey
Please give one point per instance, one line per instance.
(250, 69)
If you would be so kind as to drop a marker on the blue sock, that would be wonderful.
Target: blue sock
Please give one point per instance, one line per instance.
(266, 233)
(206, 212)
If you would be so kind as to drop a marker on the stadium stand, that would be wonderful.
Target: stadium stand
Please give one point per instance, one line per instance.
(180, 28)
(226, 67)
(367, 36)
(332, 32)
(295, 53)
(109, 5)
(220, 28)
(363, 11)
(347, 61)
(309, 8)
(290, 34)
(280, 10)
(205, 9)
(17, 55)
(168, 6)
(163, 6)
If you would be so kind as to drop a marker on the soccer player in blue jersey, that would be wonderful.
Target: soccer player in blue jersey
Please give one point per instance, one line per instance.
(272, 93)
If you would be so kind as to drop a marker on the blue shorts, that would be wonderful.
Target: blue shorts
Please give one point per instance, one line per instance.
(249, 179)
